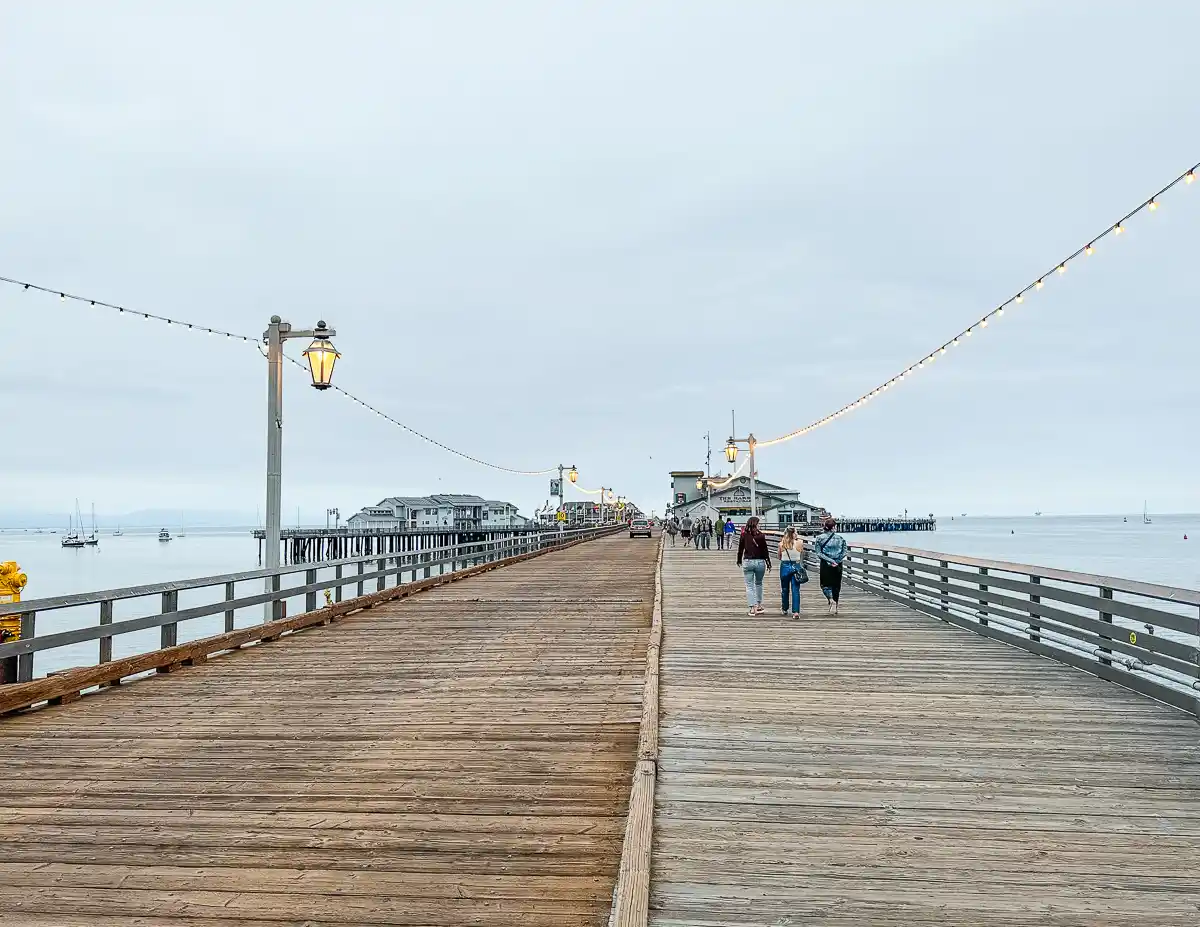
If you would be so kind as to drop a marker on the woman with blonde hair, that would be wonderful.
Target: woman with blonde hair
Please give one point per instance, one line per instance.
(792, 573)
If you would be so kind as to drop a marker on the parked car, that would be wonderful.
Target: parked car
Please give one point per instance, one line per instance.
(639, 526)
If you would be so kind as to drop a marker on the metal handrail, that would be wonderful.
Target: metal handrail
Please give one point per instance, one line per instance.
(387, 566)
(1072, 617)
(133, 592)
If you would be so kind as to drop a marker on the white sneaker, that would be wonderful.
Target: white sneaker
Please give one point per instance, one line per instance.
(833, 608)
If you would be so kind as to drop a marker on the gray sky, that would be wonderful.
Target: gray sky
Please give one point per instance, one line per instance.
(767, 206)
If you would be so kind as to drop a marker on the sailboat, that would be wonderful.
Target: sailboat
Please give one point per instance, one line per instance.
(1146, 519)
(181, 534)
(71, 538)
(117, 533)
(92, 540)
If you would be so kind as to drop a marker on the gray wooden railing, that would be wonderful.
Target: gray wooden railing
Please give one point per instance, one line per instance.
(1143, 636)
(50, 626)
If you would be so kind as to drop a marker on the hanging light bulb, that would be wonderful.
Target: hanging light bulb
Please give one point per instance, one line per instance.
(1118, 229)
(983, 323)
(1020, 297)
(1189, 177)
(1153, 205)
(967, 333)
(1089, 250)
(1040, 284)
(943, 350)
(1000, 311)
(1062, 268)
(954, 343)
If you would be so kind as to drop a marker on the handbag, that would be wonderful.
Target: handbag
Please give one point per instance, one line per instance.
(797, 567)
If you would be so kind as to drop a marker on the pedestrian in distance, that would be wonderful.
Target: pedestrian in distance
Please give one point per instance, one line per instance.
(719, 531)
(754, 557)
(685, 528)
(706, 533)
(830, 548)
(672, 529)
(730, 531)
(697, 530)
(792, 573)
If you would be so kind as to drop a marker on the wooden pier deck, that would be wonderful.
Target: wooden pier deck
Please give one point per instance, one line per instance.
(883, 768)
(460, 757)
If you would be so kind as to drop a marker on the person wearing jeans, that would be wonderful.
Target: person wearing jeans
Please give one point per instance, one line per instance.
(754, 557)
(791, 569)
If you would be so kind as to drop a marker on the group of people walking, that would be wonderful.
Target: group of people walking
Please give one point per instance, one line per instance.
(701, 531)
(754, 557)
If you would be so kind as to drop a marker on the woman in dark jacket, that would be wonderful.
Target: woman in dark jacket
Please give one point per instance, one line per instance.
(754, 557)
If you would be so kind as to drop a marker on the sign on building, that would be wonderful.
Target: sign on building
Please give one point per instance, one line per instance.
(680, 498)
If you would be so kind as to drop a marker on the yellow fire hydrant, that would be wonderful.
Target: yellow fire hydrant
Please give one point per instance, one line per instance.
(12, 581)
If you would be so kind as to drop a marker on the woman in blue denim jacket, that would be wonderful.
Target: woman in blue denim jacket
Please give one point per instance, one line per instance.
(830, 548)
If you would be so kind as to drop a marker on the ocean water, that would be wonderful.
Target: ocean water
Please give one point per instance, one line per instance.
(1111, 545)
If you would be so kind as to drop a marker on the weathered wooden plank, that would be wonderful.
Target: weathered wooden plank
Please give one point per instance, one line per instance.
(881, 767)
(458, 757)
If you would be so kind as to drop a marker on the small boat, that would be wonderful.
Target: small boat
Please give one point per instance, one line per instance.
(1146, 519)
(1037, 513)
(92, 540)
(117, 533)
(164, 535)
(181, 534)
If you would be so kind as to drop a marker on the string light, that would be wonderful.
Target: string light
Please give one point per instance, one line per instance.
(63, 296)
(1151, 204)
(424, 437)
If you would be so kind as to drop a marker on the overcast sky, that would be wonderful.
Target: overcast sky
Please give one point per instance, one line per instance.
(582, 233)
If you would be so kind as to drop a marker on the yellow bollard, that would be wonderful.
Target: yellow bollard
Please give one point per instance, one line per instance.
(12, 581)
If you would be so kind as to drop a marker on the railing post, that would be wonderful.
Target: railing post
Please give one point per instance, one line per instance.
(1105, 593)
(229, 597)
(337, 592)
(361, 565)
(944, 576)
(1034, 600)
(380, 583)
(912, 578)
(25, 660)
(170, 631)
(276, 604)
(983, 571)
(310, 597)
(886, 566)
(105, 642)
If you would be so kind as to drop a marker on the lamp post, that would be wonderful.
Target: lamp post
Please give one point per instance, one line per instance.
(731, 452)
(572, 475)
(321, 356)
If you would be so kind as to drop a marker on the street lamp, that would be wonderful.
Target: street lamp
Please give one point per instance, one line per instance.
(321, 356)
(731, 452)
(573, 476)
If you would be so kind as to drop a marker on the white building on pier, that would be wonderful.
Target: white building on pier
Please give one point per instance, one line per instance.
(777, 505)
(452, 510)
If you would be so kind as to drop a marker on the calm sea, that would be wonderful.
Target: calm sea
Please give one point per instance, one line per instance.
(1166, 551)
(1110, 545)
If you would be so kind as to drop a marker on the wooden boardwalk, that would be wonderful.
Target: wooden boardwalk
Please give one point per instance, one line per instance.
(882, 768)
(460, 757)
